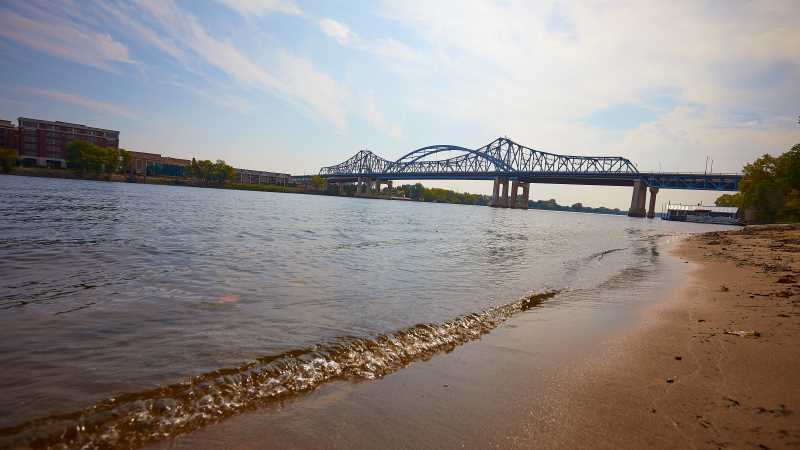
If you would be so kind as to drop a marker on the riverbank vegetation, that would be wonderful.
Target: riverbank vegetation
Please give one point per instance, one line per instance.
(211, 173)
(419, 192)
(8, 160)
(769, 191)
(90, 159)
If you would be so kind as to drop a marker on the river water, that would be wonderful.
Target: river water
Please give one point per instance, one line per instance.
(111, 288)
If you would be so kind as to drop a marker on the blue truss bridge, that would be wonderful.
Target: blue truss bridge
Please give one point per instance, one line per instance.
(504, 161)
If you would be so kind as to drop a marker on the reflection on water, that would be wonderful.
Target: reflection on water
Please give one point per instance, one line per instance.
(111, 288)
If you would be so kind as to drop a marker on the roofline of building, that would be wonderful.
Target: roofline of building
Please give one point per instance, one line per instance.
(262, 172)
(69, 124)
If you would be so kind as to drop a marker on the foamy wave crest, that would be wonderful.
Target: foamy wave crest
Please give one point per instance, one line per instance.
(134, 419)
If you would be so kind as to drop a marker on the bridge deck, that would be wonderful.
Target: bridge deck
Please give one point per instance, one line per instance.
(694, 181)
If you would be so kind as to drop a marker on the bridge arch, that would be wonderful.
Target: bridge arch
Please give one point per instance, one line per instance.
(412, 157)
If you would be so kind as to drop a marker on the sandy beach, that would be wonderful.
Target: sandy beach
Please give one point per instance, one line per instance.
(715, 366)
(712, 365)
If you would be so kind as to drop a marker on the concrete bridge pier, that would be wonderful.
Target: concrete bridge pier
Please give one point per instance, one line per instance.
(500, 193)
(651, 210)
(378, 184)
(519, 201)
(638, 199)
(363, 186)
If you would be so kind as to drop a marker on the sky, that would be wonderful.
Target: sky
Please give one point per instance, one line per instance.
(291, 86)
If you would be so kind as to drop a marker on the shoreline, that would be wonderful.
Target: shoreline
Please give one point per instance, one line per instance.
(494, 392)
(675, 379)
(713, 365)
(514, 387)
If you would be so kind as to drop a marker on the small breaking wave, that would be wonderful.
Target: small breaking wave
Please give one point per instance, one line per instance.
(600, 255)
(134, 419)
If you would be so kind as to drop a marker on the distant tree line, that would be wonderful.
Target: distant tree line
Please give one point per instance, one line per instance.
(769, 191)
(421, 193)
(552, 205)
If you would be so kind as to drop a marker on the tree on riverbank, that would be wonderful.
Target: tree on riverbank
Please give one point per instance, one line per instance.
(208, 172)
(729, 200)
(770, 188)
(319, 183)
(8, 160)
(421, 193)
(88, 158)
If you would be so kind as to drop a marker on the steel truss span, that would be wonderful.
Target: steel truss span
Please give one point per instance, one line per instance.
(501, 156)
(505, 158)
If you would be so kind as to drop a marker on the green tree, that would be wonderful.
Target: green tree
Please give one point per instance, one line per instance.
(729, 200)
(318, 183)
(208, 172)
(770, 188)
(8, 160)
(86, 158)
(124, 161)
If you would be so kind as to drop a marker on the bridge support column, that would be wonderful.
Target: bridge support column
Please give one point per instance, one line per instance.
(389, 184)
(500, 193)
(341, 188)
(362, 188)
(651, 210)
(514, 189)
(638, 199)
(495, 192)
(520, 201)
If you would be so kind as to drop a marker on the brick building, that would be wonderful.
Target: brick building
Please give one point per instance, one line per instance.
(44, 143)
(247, 176)
(9, 135)
(153, 164)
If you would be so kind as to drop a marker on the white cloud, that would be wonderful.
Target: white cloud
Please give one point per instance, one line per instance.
(387, 48)
(227, 101)
(377, 119)
(124, 18)
(300, 80)
(338, 31)
(72, 99)
(258, 8)
(392, 49)
(65, 40)
(292, 78)
(509, 70)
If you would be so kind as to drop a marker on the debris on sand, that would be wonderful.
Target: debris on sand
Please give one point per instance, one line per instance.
(741, 333)
(787, 279)
(724, 288)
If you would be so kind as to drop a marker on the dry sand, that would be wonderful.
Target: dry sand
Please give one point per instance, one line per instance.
(717, 366)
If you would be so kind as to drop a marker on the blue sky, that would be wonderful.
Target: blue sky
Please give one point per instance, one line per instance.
(291, 85)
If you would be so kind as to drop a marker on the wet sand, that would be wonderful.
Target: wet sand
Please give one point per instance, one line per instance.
(676, 379)
(715, 366)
